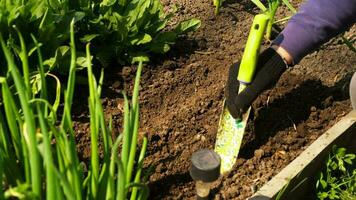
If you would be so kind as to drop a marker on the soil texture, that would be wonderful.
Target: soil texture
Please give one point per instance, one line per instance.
(182, 93)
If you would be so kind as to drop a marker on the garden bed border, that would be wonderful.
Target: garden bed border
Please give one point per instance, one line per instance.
(298, 178)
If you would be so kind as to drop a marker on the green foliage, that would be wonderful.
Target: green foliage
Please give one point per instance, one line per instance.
(217, 4)
(38, 151)
(338, 180)
(133, 27)
(118, 30)
(270, 10)
(349, 42)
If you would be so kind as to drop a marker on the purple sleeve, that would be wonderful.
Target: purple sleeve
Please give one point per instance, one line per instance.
(316, 22)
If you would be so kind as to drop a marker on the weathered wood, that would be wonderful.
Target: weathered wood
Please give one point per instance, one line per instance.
(297, 179)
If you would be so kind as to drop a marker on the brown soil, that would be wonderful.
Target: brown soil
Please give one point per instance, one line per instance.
(182, 93)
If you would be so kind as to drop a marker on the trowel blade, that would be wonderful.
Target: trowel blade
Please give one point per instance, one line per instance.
(229, 138)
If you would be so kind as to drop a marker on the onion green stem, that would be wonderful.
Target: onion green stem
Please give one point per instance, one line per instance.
(29, 126)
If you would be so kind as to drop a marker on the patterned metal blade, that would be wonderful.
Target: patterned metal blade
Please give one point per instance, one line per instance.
(229, 138)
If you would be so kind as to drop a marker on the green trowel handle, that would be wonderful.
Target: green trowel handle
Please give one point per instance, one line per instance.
(249, 58)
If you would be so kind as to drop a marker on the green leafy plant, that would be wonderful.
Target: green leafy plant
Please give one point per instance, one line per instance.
(270, 10)
(338, 180)
(38, 152)
(48, 21)
(119, 30)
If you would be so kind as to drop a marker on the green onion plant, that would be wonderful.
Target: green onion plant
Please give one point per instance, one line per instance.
(270, 11)
(38, 156)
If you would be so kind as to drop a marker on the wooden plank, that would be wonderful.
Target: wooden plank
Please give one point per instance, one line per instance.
(297, 178)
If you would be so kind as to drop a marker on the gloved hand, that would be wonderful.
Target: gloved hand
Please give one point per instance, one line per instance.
(270, 67)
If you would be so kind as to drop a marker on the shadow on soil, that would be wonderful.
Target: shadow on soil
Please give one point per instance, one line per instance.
(280, 114)
(182, 49)
(156, 187)
(293, 108)
(117, 75)
(248, 6)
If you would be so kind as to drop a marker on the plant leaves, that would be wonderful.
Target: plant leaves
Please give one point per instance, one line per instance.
(36, 9)
(289, 5)
(161, 44)
(36, 84)
(323, 183)
(337, 178)
(322, 195)
(160, 48)
(21, 191)
(141, 57)
(61, 52)
(88, 38)
(141, 39)
(260, 5)
(107, 3)
(78, 16)
(341, 152)
(82, 62)
(188, 25)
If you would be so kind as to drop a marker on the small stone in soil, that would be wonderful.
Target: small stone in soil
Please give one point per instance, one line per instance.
(289, 139)
(280, 154)
(159, 168)
(116, 84)
(314, 124)
(259, 153)
(240, 161)
(202, 138)
(313, 109)
(126, 71)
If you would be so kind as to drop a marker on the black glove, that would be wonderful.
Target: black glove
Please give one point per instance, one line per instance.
(270, 67)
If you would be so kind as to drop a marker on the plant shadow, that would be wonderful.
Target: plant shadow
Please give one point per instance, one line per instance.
(247, 6)
(159, 188)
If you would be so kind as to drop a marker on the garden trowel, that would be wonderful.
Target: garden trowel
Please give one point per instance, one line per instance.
(230, 131)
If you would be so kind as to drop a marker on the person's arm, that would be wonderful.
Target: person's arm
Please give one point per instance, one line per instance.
(316, 22)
